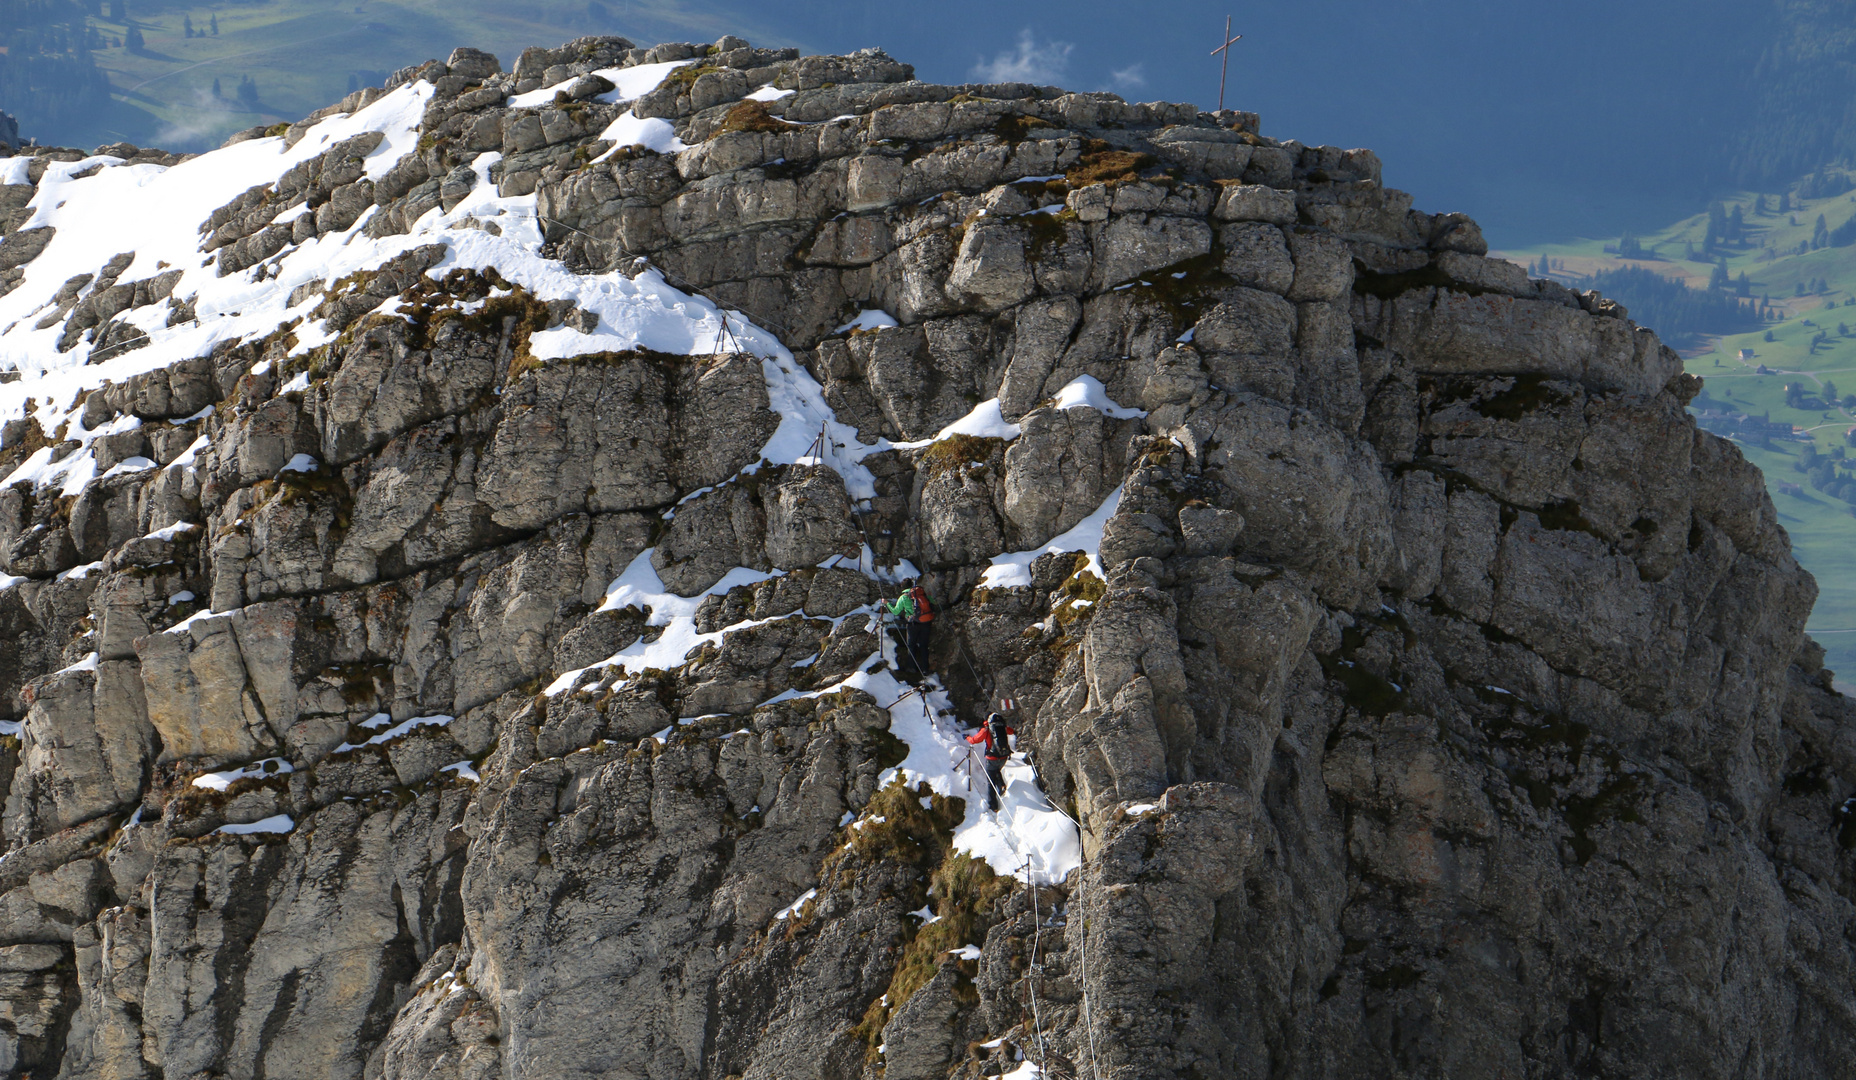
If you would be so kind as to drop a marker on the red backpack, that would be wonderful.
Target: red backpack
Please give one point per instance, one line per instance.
(924, 609)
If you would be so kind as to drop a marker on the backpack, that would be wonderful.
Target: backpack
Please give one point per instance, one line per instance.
(924, 608)
(998, 741)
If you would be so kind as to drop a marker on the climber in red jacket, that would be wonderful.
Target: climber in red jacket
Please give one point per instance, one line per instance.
(996, 736)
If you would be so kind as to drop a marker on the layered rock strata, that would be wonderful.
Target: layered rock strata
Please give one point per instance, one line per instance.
(1430, 693)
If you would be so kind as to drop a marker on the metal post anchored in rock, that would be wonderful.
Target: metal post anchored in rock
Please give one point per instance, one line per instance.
(1225, 64)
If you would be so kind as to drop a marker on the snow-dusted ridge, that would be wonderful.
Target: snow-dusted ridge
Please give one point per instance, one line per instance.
(101, 206)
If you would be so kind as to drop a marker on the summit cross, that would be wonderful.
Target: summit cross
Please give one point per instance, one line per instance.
(1225, 67)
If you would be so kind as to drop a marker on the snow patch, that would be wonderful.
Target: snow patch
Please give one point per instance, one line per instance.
(652, 133)
(128, 465)
(984, 422)
(869, 319)
(191, 454)
(171, 532)
(793, 908)
(187, 623)
(640, 587)
(1087, 392)
(463, 769)
(219, 781)
(379, 720)
(1008, 571)
(277, 823)
(628, 83)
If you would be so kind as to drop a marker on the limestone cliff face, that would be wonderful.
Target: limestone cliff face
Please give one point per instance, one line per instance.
(1430, 692)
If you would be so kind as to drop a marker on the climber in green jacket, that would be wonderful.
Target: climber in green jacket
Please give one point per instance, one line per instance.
(914, 615)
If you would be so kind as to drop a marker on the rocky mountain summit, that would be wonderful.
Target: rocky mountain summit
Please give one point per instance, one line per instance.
(443, 537)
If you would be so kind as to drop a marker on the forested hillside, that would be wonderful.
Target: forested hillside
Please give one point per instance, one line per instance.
(1681, 314)
(48, 79)
(1802, 95)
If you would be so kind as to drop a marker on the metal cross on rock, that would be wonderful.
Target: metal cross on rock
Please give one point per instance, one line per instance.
(1229, 41)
